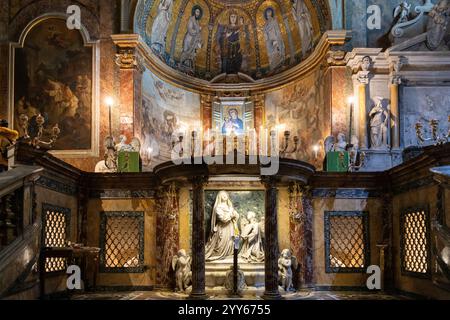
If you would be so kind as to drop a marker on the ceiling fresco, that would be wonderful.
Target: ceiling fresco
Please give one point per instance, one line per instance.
(208, 39)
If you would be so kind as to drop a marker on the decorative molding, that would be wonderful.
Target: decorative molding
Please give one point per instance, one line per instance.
(336, 58)
(179, 79)
(416, 184)
(346, 193)
(121, 194)
(57, 186)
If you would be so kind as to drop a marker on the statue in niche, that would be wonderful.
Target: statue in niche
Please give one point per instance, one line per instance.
(223, 228)
(192, 40)
(379, 124)
(181, 264)
(229, 45)
(161, 26)
(274, 41)
(252, 249)
(286, 264)
(437, 29)
(303, 18)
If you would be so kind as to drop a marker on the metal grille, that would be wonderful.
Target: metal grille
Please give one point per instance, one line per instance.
(56, 234)
(415, 243)
(346, 241)
(122, 242)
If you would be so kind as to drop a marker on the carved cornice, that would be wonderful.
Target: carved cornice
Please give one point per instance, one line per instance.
(363, 77)
(128, 56)
(179, 79)
(336, 58)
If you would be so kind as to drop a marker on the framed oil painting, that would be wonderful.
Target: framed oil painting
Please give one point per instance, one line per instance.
(233, 116)
(56, 75)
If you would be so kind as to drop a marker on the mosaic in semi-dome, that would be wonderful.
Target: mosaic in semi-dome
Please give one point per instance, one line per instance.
(207, 39)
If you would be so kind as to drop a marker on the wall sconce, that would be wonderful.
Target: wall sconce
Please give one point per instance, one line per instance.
(180, 143)
(109, 101)
(436, 136)
(287, 148)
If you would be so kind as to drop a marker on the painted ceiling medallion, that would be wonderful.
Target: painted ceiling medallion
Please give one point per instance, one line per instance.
(219, 40)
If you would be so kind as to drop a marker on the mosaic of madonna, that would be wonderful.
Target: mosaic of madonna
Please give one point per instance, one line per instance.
(53, 77)
(210, 38)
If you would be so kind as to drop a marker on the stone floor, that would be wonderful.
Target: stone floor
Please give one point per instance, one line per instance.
(302, 295)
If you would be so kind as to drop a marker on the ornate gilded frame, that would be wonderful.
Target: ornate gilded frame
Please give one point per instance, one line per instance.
(88, 42)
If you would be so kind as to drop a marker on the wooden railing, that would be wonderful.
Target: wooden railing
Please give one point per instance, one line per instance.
(19, 227)
(15, 203)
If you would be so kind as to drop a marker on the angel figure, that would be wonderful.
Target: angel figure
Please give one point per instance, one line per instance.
(252, 248)
(181, 264)
(286, 264)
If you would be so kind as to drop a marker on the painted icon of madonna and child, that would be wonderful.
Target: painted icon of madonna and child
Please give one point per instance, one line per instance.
(226, 223)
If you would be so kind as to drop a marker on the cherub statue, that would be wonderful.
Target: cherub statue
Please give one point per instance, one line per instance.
(286, 264)
(341, 144)
(181, 264)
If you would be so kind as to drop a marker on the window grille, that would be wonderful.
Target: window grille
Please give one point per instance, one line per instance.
(122, 242)
(415, 242)
(347, 244)
(56, 234)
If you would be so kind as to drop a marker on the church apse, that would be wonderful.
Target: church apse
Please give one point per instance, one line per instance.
(205, 39)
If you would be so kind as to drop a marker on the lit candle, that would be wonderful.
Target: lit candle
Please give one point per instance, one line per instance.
(110, 102)
(351, 101)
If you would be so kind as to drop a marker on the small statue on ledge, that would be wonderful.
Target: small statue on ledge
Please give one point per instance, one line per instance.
(286, 264)
(181, 264)
(332, 146)
(110, 162)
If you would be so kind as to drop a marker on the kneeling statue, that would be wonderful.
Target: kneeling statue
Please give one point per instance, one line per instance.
(286, 263)
(181, 264)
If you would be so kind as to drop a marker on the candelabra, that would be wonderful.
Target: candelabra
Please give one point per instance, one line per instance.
(37, 141)
(355, 163)
(287, 148)
(438, 138)
(179, 143)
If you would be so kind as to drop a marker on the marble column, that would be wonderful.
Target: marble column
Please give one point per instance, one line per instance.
(198, 238)
(168, 231)
(363, 82)
(131, 69)
(307, 263)
(271, 248)
(206, 101)
(259, 110)
(395, 129)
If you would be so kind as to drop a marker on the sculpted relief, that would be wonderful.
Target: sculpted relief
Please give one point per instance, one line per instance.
(207, 39)
(231, 217)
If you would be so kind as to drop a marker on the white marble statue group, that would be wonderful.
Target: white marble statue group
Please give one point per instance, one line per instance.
(224, 228)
